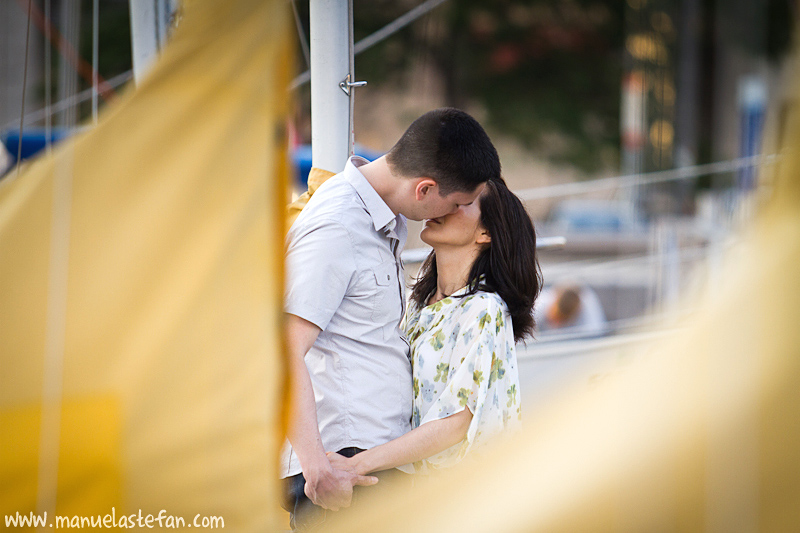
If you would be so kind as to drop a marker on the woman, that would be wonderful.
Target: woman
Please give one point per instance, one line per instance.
(472, 301)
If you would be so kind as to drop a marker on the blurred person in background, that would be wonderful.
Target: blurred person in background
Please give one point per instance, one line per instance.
(571, 308)
(471, 303)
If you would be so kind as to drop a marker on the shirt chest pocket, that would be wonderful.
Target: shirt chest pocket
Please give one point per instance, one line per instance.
(387, 307)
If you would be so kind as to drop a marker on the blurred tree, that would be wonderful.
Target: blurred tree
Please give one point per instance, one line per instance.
(547, 72)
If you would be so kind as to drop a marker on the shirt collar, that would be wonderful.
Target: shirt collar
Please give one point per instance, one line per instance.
(382, 216)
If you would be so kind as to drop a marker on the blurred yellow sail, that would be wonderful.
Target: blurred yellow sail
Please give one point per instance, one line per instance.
(316, 177)
(701, 434)
(141, 286)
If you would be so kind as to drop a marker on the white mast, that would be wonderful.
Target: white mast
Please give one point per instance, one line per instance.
(331, 74)
(150, 21)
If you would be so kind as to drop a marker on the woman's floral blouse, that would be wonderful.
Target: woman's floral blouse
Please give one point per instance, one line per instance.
(463, 355)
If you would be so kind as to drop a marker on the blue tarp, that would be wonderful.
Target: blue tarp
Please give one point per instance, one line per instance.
(33, 140)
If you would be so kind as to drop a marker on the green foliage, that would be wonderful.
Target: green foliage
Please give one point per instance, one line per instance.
(546, 71)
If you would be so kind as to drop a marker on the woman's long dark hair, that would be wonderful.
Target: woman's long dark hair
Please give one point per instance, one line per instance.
(508, 265)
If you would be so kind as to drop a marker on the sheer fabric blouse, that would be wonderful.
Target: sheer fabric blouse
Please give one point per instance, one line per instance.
(463, 357)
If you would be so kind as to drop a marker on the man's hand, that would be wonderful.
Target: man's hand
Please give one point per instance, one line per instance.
(340, 462)
(333, 489)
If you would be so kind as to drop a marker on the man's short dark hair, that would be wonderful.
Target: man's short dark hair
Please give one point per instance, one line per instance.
(449, 146)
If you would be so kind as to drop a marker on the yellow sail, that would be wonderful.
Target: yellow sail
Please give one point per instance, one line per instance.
(316, 177)
(140, 291)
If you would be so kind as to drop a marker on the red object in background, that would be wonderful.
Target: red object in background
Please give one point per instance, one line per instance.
(67, 50)
(633, 122)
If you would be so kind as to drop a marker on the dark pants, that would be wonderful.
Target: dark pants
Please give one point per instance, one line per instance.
(305, 516)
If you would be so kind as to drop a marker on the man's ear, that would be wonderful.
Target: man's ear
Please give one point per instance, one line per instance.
(424, 187)
(483, 237)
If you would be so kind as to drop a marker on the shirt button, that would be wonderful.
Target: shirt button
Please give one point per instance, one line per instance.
(388, 277)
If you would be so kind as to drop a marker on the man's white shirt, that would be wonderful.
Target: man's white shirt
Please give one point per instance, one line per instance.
(344, 275)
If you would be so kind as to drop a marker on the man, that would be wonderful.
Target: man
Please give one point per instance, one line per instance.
(351, 377)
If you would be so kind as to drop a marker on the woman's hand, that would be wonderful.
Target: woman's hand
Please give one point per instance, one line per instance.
(343, 463)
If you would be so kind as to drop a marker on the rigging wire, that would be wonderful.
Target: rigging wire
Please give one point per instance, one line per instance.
(646, 80)
(352, 71)
(67, 83)
(383, 33)
(61, 105)
(48, 82)
(662, 85)
(396, 25)
(24, 87)
(421, 62)
(643, 178)
(95, 55)
(301, 34)
(68, 51)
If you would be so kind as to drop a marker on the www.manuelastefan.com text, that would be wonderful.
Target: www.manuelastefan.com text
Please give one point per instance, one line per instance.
(111, 520)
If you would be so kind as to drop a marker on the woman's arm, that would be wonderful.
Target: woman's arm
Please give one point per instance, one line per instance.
(420, 443)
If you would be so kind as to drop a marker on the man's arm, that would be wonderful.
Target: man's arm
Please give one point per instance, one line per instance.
(325, 486)
(420, 443)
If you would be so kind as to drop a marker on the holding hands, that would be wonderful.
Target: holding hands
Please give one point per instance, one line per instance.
(332, 487)
(348, 464)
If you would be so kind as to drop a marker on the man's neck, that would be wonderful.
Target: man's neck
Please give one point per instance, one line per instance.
(379, 175)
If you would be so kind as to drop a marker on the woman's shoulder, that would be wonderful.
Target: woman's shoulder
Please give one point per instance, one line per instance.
(489, 301)
(481, 307)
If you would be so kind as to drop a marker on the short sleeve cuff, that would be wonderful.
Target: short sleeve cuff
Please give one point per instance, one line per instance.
(318, 317)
